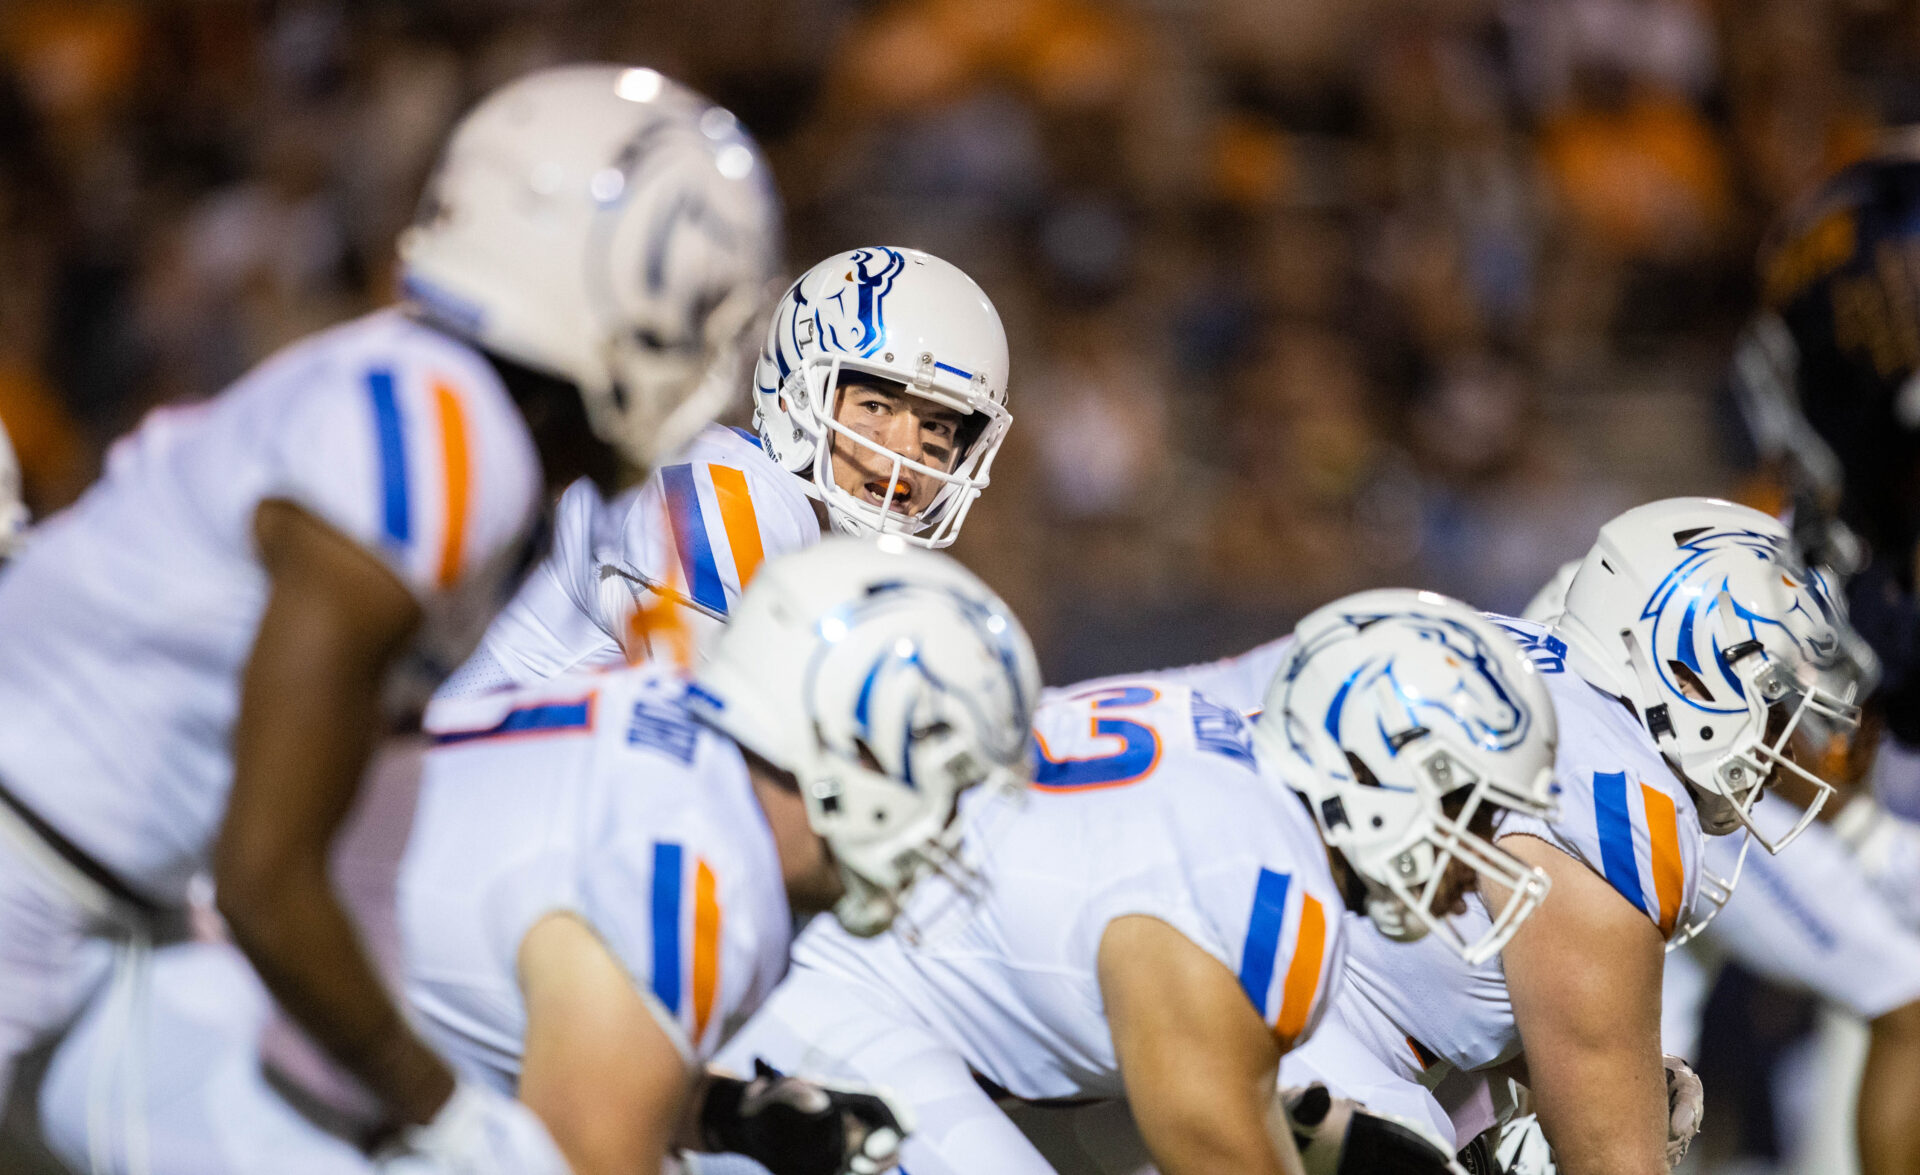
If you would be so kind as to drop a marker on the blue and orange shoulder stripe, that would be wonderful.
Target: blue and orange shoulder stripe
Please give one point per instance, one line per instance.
(686, 936)
(534, 720)
(716, 532)
(1288, 931)
(426, 473)
(1640, 845)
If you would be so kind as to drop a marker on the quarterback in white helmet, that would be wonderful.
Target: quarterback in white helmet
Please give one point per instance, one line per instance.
(1163, 919)
(13, 511)
(884, 381)
(589, 943)
(197, 658)
(880, 399)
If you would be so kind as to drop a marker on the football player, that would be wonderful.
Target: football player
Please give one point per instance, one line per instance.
(1685, 655)
(1817, 919)
(880, 402)
(196, 659)
(588, 943)
(1162, 920)
(13, 511)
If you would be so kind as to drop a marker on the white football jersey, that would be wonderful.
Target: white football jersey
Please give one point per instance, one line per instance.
(701, 527)
(1622, 813)
(595, 794)
(1148, 800)
(126, 623)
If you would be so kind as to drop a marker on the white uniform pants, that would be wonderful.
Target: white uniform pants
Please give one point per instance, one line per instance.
(189, 1086)
(1336, 1057)
(55, 952)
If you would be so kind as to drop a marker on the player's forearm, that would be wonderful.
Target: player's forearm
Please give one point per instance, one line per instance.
(293, 929)
(1889, 1130)
(1210, 1134)
(1614, 1122)
(336, 620)
(688, 1135)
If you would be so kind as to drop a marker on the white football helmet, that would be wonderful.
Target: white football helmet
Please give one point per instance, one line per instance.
(609, 227)
(887, 681)
(1697, 612)
(905, 316)
(13, 511)
(1402, 716)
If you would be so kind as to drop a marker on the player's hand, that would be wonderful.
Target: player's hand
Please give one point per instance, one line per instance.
(1339, 1136)
(792, 1126)
(478, 1132)
(1523, 1149)
(1686, 1105)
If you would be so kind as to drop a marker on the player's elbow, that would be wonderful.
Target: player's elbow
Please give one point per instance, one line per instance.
(258, 883)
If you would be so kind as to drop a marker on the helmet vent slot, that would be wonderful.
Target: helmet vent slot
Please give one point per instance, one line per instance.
(1401, 738)
(1682, 537)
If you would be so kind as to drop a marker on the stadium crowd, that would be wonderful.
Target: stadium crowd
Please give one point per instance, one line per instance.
(1302, 296)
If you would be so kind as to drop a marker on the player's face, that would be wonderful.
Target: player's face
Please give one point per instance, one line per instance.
(920, 430)
(1451, 895)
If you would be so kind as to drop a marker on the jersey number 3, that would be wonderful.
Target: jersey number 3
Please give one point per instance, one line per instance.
(1138, 754)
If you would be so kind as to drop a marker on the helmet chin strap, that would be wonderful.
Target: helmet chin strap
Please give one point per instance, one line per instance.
(1654, 713)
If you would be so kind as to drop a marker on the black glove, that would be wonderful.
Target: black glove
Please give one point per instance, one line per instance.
(792, 1126)
(1339, 1136)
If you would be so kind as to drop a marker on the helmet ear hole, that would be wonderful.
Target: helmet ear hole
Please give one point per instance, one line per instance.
(1362, 774)
(868, 759)
(1690, 683)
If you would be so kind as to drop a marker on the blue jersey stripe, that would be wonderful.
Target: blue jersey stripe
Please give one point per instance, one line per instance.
(666, 925)
(690, 536)
(1263, 938)
(552, 718)
(397, 518)
(1616, 834)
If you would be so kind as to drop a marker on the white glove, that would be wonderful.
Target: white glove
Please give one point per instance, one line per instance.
(478, 1132)
(1523, 1149)
(1686, 1105)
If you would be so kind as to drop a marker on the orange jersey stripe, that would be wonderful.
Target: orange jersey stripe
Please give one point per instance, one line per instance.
(736, 514)
(706, 948)
(1668, 873)
(453, 446)
(1303, 973)
(657, 630)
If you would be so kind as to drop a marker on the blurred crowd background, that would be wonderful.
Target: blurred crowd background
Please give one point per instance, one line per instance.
(1304, 296)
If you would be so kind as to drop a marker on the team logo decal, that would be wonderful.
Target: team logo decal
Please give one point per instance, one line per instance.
(1450, 677)
(1689, 630)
